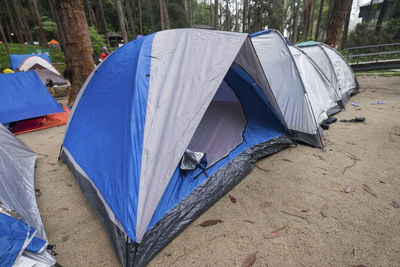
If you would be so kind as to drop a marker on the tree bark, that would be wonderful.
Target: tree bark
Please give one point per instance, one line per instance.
(165, 14)
(244, 24)
(311, 24)
(3, 36)
(60, 33)
(337, 20)
(140, 16)
(283, 17)
(381, 16)
(321, 7)
(42, 36)
(216, 6)
(346, 27)
(190, 15)
(237, 17)
(130, 17)
(121, 20)
(90, 13)
(78, 46)
(15, 26)
(228, 16)
(162, 15)
(296, 20)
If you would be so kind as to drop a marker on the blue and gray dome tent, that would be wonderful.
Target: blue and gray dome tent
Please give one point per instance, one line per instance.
(304, 95)
(334, 66)
(166, 126)
(23, 241)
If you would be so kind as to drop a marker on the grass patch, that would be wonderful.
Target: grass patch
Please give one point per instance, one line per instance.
(383, 73)
(56, 56)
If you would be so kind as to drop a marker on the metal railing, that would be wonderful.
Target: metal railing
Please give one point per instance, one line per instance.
(372, 53)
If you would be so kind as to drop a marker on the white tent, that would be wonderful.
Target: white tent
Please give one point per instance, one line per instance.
(334, 66)
(304, 95)
(37, 62)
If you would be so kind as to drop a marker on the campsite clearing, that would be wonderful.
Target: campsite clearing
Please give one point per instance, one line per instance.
(302, 188)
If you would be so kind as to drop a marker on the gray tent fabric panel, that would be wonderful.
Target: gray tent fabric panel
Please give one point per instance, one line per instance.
(323, 96)
(175, 105)
(223, 123)
(283, 77)
(17, 190)
(249, 61)
(45, 74)
(202, 198)
(319, 56)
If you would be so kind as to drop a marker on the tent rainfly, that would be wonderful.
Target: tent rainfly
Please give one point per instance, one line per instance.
(41, 64)
(304, 95)
(23, 240)
(334, 66)
(187, 114)
(23, 96)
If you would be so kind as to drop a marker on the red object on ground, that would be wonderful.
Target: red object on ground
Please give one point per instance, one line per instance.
(41, 123)
(103, 56)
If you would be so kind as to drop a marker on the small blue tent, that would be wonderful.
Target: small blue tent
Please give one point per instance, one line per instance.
(164, 127)
(23, 96)
(16, 60)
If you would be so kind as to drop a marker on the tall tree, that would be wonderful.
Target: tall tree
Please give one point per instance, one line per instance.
(321, 7)
(236, 16)
(130, 17)
(228, 16)
(245, 11)
(311, 23)
(283, 18)
(346, 27)
(381, 16)
(337, 20)
(370, 10)
(78, 46)
(92, 17)
(216, 6)
(165, 16)
(296, 20)
(14, 22)
(3, 36)
(121, 20)
(162, 21)
(190, 13)
(38, 23)
(140, 16)
(60, 29)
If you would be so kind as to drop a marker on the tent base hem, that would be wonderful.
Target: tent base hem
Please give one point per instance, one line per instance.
(305, 138)
(335, 109)
(346, 96)
(186, 211)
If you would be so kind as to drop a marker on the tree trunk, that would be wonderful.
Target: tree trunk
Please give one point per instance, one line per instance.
(121, 20)
(245, 5)
(101, 20)
(9, 33)
(78, 47)
(15, 26)
(38, 23)
(162, 15)
(237, 17)
(381, 16)
(216, 6)
(90, 13)
(321, 7)
(140, 16)
(190, 15)
(165, 15)
(311, 23)
(211, 18)
(370, 10)
(337, 20)
(228, 16)
(304, 18)
(346, 27)
(283, 17)
(296, 20)
(3, 36)
(56, 18)
(130, 17)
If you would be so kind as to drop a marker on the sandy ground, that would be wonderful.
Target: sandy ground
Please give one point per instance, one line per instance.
(292, 190)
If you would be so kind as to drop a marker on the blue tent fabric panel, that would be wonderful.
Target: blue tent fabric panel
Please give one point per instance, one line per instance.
(36, 245)
(121, 85)
(13, 235)
(17, 60)
(262, 125)
(24, 96)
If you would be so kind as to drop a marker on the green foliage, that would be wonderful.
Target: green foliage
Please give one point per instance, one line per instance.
(98, 41)
(56, 56)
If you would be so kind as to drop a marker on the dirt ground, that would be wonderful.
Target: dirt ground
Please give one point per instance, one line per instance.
(301, 188)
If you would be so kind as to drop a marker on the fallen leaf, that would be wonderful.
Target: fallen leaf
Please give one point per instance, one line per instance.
(232, 199)
(249, 260)
(395, 204)
(277, 232)
(368, 189)
(287, 160)
(210, 222)
(64, 209)
(361, 265)
(348, 189)
(70, 185)
(324, 211)
(248, 221)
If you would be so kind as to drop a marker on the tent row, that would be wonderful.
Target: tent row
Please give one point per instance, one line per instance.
(169, 123)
